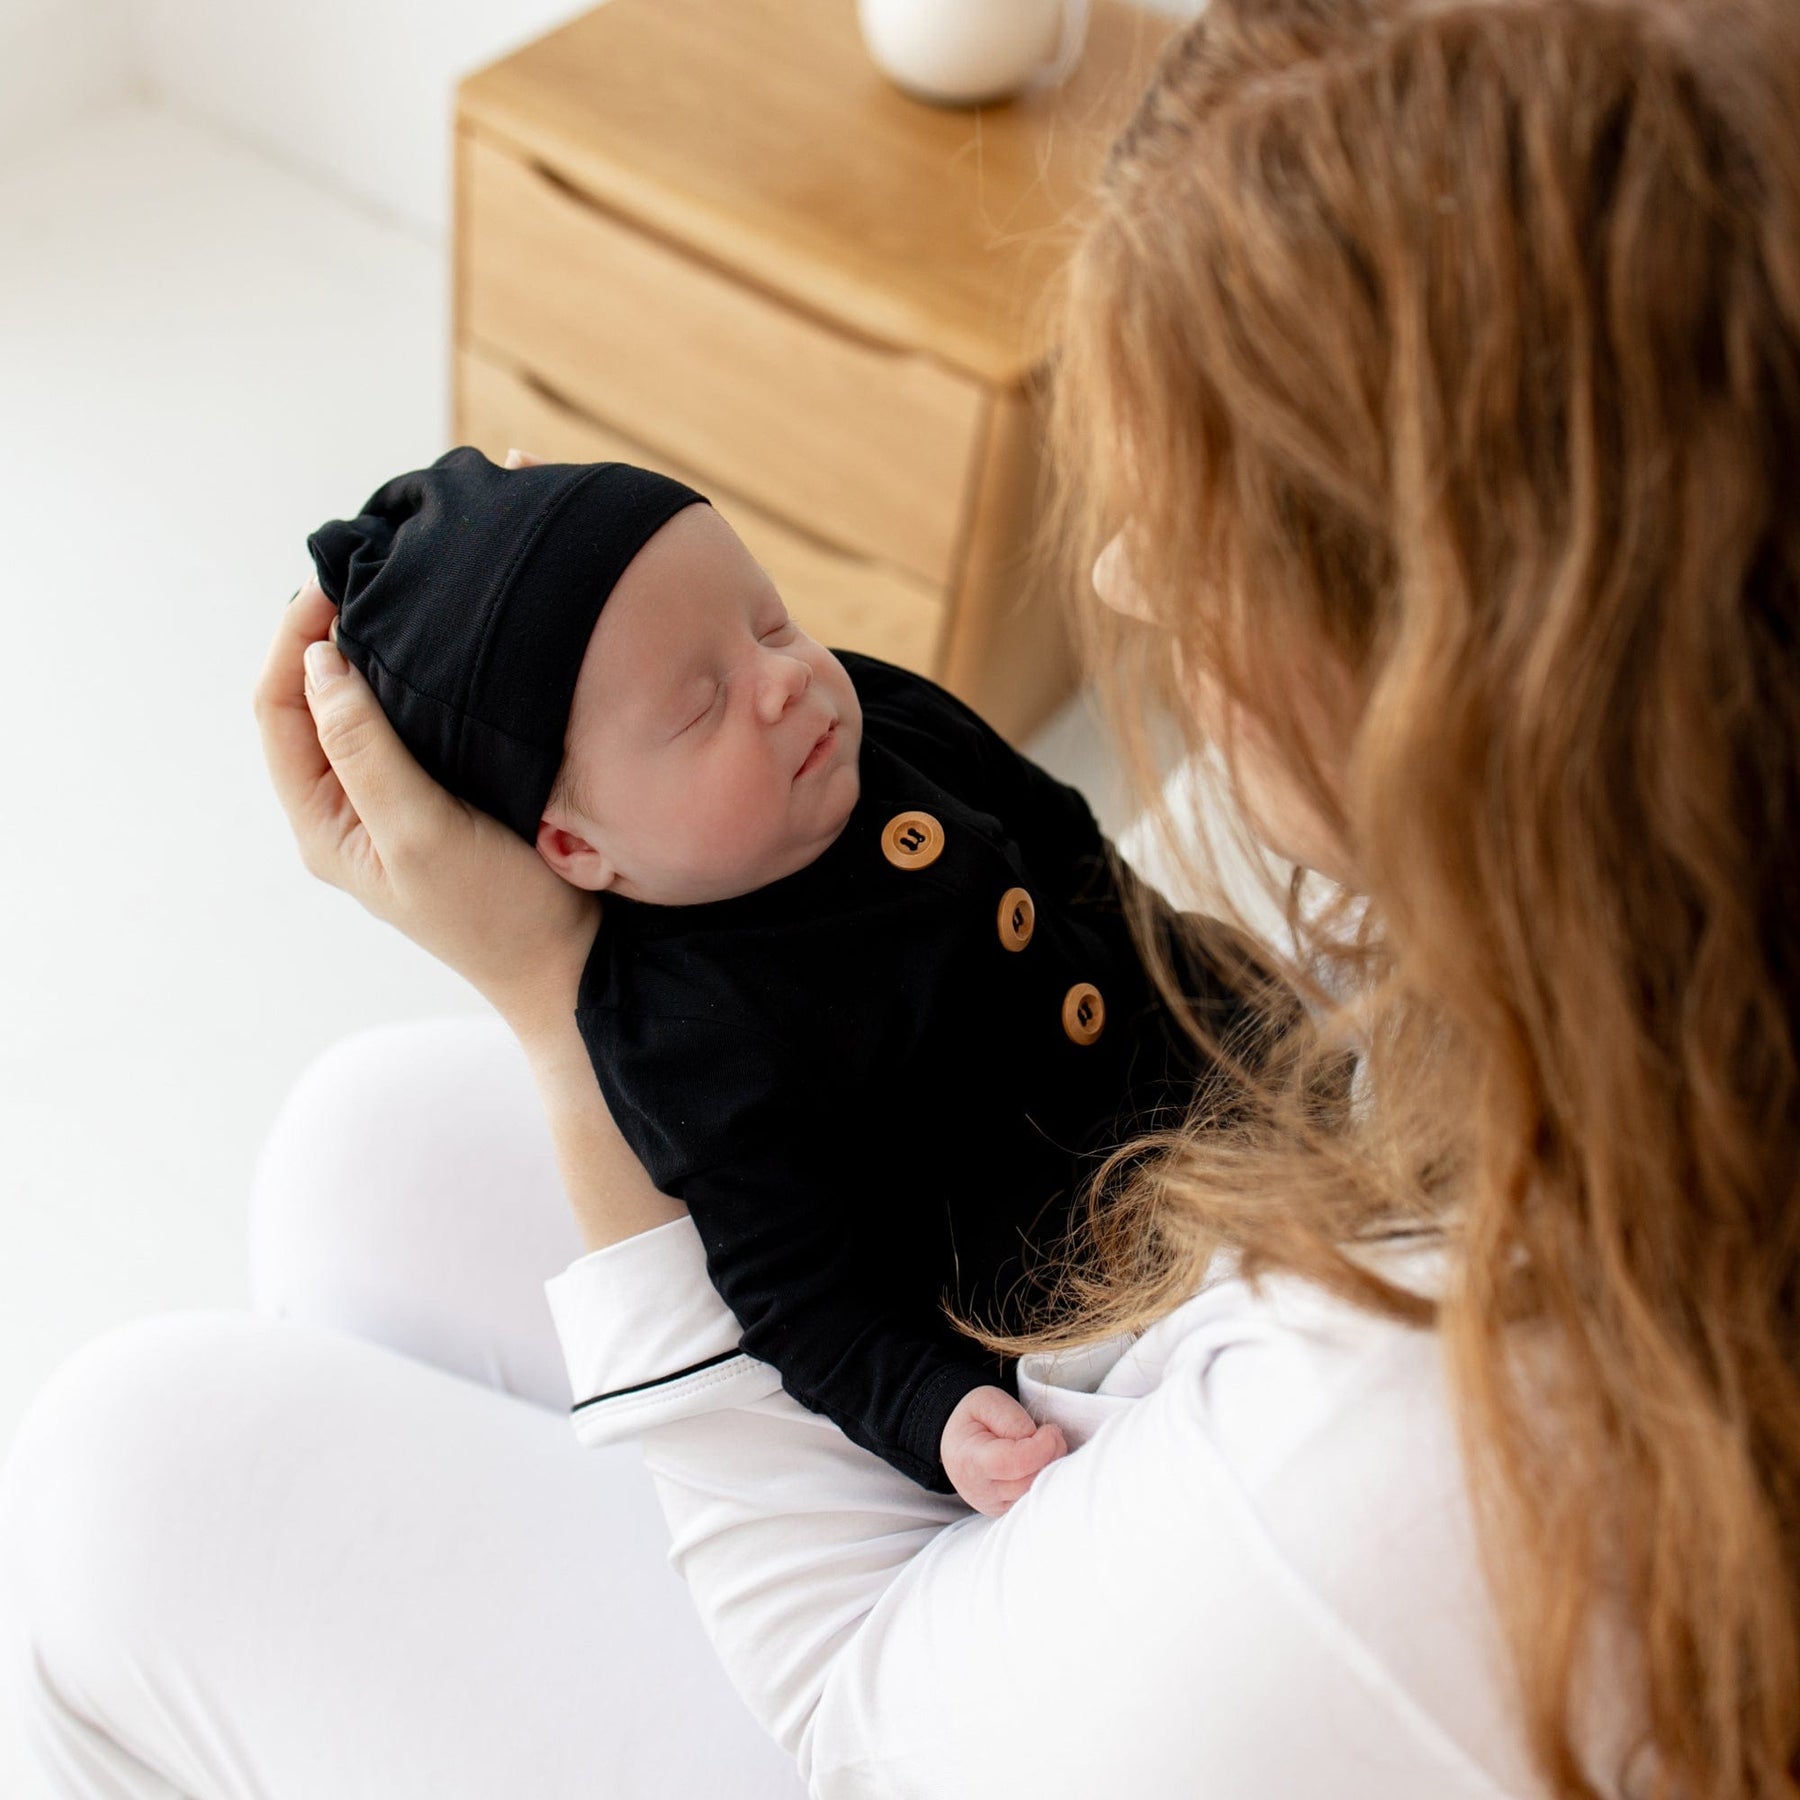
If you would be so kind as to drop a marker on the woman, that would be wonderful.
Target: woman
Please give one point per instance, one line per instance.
(1432, 374)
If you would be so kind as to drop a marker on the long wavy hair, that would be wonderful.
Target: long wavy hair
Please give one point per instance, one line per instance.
(1455, 349)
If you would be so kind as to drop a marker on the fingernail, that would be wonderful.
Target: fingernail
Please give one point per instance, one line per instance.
(324, 662)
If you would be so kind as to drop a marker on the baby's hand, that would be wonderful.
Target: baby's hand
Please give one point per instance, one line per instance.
(993, 1448)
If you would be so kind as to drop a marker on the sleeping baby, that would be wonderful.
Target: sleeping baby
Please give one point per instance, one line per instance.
(862, 993)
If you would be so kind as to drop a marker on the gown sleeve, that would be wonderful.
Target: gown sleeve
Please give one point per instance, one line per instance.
(737, 1126)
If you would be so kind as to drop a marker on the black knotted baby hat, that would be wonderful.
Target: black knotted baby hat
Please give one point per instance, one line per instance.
(466, 594)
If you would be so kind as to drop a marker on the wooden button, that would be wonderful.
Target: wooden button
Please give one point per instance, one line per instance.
(1084, 1012)
(1017, 916)
(912, 840)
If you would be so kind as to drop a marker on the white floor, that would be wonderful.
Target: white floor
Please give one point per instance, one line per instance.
(202, 356)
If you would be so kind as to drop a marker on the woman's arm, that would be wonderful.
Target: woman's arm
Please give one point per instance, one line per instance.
(603, 1178)
(368, 819)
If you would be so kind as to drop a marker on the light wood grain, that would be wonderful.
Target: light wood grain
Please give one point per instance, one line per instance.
(872, 448)
(760, 131)
(1008, 651)
(842, 601)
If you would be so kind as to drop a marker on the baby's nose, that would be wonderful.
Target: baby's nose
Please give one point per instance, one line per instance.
(790, 679)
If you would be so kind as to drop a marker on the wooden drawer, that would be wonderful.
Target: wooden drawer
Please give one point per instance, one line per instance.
(874, 449)
(842, 601)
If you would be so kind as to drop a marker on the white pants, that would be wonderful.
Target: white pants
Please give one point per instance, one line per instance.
(350, 1546)
(347, 1545)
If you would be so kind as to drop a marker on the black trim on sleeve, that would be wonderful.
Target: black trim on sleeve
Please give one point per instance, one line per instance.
(637, 1387)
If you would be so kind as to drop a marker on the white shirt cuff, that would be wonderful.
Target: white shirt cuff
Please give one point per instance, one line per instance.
(646, 1338)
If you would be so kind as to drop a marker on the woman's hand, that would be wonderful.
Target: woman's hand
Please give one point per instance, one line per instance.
(368, 819)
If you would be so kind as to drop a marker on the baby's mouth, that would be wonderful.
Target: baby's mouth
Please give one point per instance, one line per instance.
(820, 751)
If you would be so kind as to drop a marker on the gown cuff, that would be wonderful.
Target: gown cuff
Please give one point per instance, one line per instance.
(646, 1338)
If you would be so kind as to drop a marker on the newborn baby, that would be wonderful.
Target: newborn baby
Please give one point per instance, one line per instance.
(862, 994)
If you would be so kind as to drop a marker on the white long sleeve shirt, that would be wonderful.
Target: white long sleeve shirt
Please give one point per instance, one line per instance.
(1254, 1575)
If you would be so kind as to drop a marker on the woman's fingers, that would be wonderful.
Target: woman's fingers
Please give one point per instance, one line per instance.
(387, 797)
(298, 766)
(353, 793)
(521, 459)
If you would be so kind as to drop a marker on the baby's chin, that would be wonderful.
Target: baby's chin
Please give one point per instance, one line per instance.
(799, 852)
(840, 789)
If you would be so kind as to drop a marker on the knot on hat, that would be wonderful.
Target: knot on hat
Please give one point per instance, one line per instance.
(347, 553)
(466, 595)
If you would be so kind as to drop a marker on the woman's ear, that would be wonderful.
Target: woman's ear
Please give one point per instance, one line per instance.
(576, 860)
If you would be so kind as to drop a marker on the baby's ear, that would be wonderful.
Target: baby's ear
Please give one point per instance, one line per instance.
(574, 858)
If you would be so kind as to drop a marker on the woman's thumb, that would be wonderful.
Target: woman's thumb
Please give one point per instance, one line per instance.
(345, 711)
(324, 664)
(380, 777)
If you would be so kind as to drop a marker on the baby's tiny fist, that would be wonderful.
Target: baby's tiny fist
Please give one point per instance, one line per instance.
(993, 1449)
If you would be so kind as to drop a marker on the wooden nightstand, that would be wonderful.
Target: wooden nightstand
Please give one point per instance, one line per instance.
(708, 236)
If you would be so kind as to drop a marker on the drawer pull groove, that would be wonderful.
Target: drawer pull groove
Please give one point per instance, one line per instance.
(878, 446)
(580, 415)
(817, 315)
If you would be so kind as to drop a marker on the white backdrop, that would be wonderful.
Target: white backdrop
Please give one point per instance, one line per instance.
(354, 92)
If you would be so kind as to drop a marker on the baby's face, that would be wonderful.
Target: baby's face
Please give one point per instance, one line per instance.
(695, 735)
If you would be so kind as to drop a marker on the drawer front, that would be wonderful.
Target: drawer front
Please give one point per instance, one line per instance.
(842, 601)
(873, 448)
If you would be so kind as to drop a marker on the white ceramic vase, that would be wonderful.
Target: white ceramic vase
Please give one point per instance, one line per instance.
(965, 52)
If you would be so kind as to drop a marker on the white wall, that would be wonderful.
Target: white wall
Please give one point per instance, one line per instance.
(60, 59)
(356, 91)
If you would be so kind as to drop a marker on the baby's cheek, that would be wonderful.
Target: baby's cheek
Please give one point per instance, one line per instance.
(733, 824)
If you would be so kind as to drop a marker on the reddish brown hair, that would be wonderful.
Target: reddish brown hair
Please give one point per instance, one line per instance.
(1457, 348)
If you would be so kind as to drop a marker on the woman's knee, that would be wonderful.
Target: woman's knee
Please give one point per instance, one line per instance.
(82, 1485)
(378, 1153)
(217, 1529)
(106, 1501)
(408, 1193)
